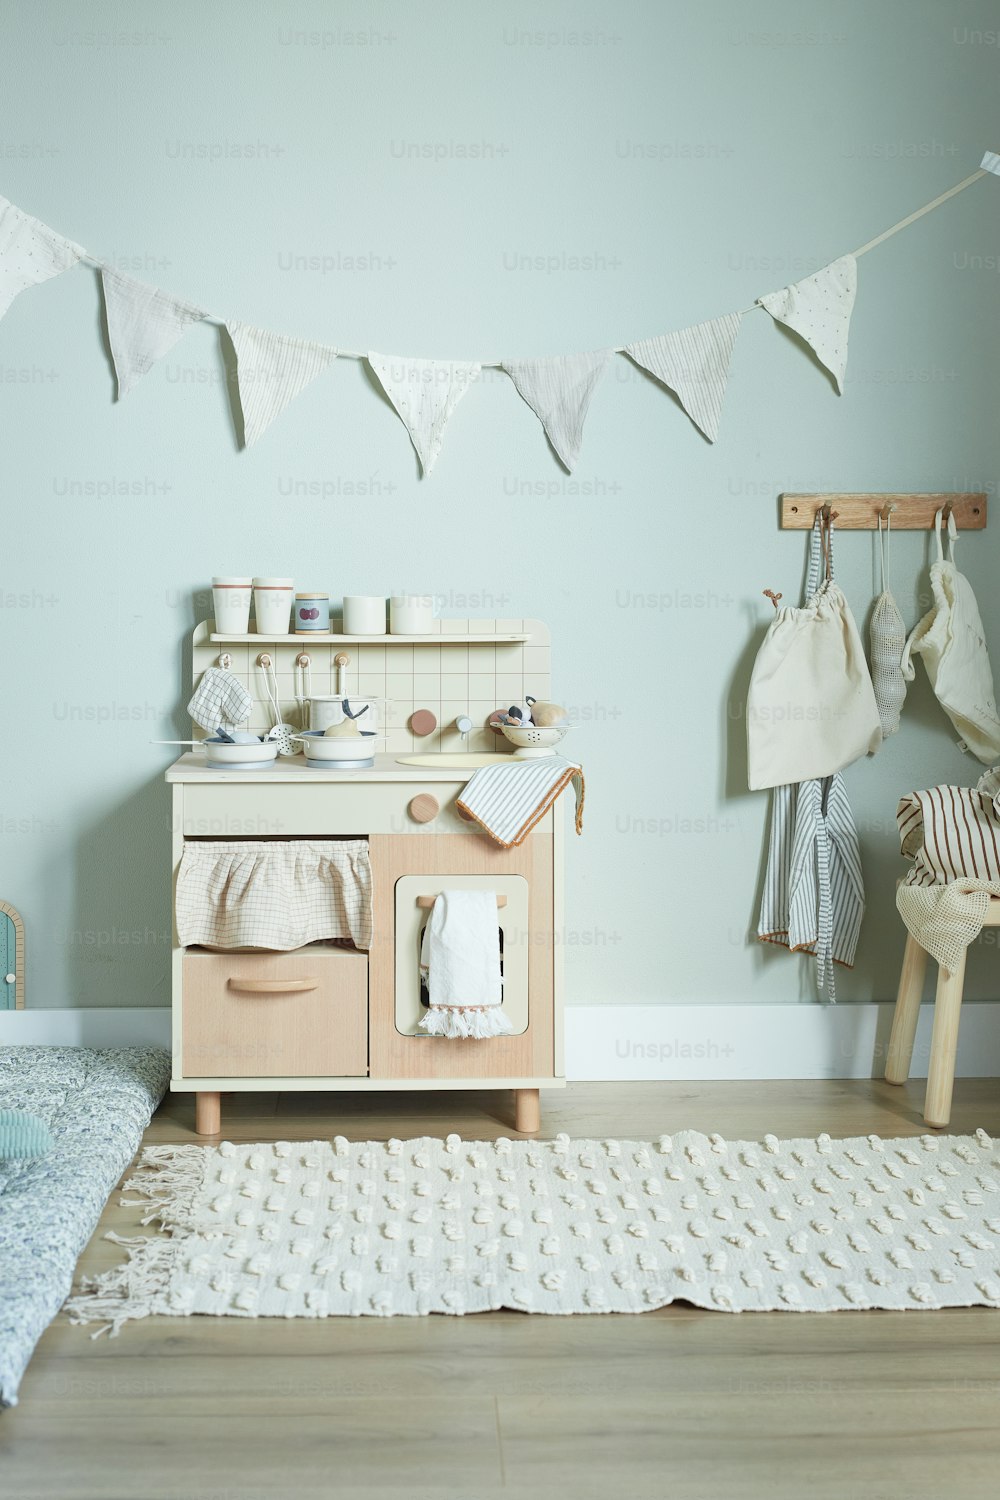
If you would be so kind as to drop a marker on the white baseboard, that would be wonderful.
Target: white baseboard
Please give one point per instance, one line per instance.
(698, 1042)
(685, 1042)
(95, 1026)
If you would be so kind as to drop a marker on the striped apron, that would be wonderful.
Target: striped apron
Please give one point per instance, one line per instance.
(813, 898)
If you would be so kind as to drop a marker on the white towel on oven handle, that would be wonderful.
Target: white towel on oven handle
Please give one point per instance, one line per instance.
(460, 961)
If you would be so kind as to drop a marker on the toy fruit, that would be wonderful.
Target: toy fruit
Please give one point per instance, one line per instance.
(546, 714)
(346, 730)
(519, 713)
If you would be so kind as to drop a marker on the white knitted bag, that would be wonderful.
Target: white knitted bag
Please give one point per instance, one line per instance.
(888, 641)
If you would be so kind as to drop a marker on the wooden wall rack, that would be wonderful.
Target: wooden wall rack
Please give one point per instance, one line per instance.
(909, 512)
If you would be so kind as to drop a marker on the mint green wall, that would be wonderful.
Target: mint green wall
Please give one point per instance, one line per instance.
(699, 159)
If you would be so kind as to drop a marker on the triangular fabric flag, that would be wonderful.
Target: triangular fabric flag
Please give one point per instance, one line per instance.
(819, 310)
(424, 392)
(694, 364)
(143, 325)
(30, 252)
(272, 370)
(558, 391)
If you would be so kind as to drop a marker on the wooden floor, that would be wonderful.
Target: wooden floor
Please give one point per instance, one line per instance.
(678, 1403)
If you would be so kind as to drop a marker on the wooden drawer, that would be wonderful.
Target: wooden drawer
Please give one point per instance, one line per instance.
(275, 1015)
(280, 809)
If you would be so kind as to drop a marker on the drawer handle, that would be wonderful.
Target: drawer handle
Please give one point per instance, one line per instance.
(273, 986)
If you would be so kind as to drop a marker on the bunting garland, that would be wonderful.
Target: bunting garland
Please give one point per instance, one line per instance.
(144, 323)
(271, 370)
(30, 252)
(559, 392)
(694, 364)
(424, 392)
(819, 310)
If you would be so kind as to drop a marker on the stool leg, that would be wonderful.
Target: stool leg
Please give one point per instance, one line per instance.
(527, 1111)
(907, 1012)
(207, 1113)
(944, 1045)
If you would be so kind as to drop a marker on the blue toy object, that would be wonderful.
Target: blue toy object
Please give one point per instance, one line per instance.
(23, 1135)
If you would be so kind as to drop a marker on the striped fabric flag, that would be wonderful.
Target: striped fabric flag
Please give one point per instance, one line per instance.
(143, 325)
(272, 370)
(30, 252)
(559, 392)
(694, 364)
(424, 392)
(508, 799)
(819, 310)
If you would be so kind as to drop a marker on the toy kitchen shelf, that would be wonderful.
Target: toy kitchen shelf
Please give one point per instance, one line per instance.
(500, 638)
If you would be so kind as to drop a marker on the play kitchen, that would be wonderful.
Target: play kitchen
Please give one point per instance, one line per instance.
(367, 855)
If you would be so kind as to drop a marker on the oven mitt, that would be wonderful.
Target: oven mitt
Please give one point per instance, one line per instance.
(219, 698)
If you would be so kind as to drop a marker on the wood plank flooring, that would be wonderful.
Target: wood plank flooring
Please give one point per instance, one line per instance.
(680, 1402)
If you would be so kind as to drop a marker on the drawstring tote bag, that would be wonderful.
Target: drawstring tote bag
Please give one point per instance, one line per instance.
(951, 640)
(811, 708)
(888, 640)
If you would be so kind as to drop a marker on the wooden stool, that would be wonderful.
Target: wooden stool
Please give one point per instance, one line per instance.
(944, 1037)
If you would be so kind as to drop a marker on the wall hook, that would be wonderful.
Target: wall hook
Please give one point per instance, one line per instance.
(225, 660)
(770, 594)
(340, 661)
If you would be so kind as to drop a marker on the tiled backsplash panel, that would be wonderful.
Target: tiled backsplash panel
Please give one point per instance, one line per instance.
(451, 679)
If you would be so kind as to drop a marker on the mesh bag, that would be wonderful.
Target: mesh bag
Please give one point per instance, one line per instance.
(888, 640)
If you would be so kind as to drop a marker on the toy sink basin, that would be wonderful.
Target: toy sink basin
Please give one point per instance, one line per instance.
(456, 760)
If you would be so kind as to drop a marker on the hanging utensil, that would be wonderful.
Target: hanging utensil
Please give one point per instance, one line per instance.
(303, 686)
(280, 733)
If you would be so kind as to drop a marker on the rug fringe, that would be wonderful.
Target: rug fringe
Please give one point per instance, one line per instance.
(138, 1288)
(167, 1177)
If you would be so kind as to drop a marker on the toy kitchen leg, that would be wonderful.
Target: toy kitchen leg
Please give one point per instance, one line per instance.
(207, 1113)
(527, 1111)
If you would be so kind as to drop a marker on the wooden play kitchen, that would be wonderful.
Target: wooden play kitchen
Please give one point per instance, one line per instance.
(329, 1016)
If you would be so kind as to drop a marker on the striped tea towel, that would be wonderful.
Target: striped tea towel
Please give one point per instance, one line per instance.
(220, 698)
(508, 799)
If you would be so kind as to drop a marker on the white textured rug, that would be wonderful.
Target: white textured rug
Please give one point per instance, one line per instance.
(316, 1229)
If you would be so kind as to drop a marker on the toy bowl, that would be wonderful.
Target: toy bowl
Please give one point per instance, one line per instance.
(227, 755)
(532, 740)
(322, 750)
